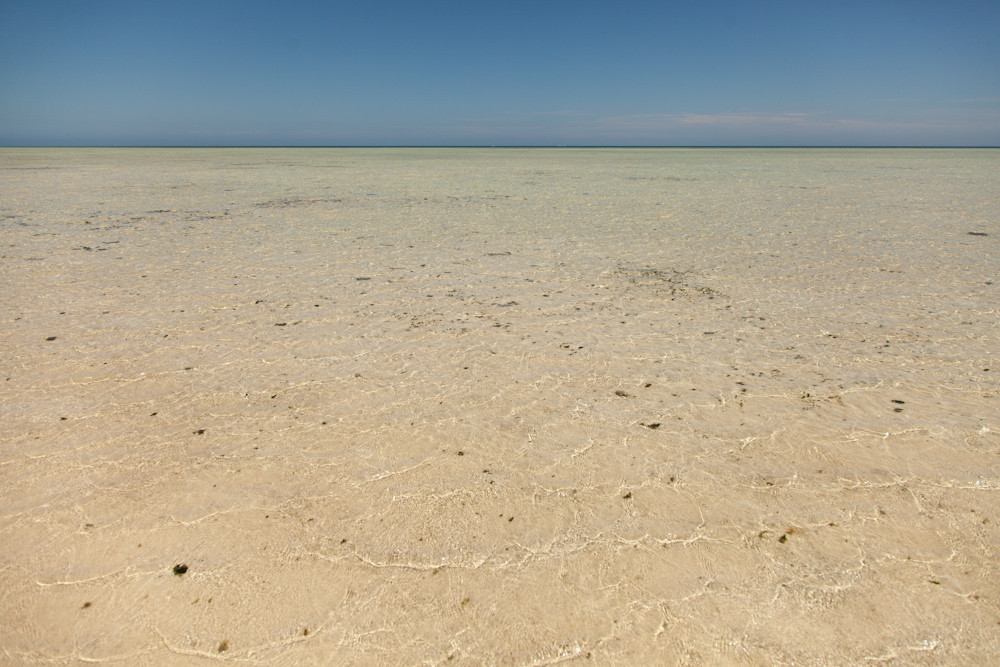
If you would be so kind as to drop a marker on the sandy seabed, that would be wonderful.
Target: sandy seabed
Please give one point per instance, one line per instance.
(519, 407)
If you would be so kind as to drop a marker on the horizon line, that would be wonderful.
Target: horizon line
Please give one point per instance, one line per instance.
(502, 146)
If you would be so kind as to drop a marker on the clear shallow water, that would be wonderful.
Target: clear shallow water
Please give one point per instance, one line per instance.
(633, 403)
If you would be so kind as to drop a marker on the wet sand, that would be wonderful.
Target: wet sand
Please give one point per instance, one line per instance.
(401, 406)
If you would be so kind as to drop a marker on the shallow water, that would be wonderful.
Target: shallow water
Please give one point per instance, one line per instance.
(499, 405)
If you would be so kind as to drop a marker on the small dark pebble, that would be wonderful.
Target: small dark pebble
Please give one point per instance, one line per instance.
(362, 278)
(897, 409)
(85, 605)
(461, 453)
(624, 394)
(223, 645)
(654, 425)
(896, 400)
(977, 233)
(180, 569)
(305, 632)
(200, 431)
(783, 538)
(627, 495)
(51, 338)
(281, 324)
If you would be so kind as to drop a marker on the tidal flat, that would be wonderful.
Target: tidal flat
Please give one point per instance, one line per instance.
(499, 406)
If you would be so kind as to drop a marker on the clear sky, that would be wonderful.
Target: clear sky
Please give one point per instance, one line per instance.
(471, 72)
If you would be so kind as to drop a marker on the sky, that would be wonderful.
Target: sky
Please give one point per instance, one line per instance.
(543, 72)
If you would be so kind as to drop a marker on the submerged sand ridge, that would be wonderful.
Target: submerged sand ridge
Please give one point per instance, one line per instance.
(502, 406)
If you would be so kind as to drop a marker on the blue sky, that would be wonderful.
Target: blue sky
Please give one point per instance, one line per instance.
(216, 72)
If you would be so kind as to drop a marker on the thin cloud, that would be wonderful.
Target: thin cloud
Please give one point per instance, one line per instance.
(956, 126)
(790, 120)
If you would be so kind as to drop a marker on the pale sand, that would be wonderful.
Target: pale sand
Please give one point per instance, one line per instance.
(398, 406)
